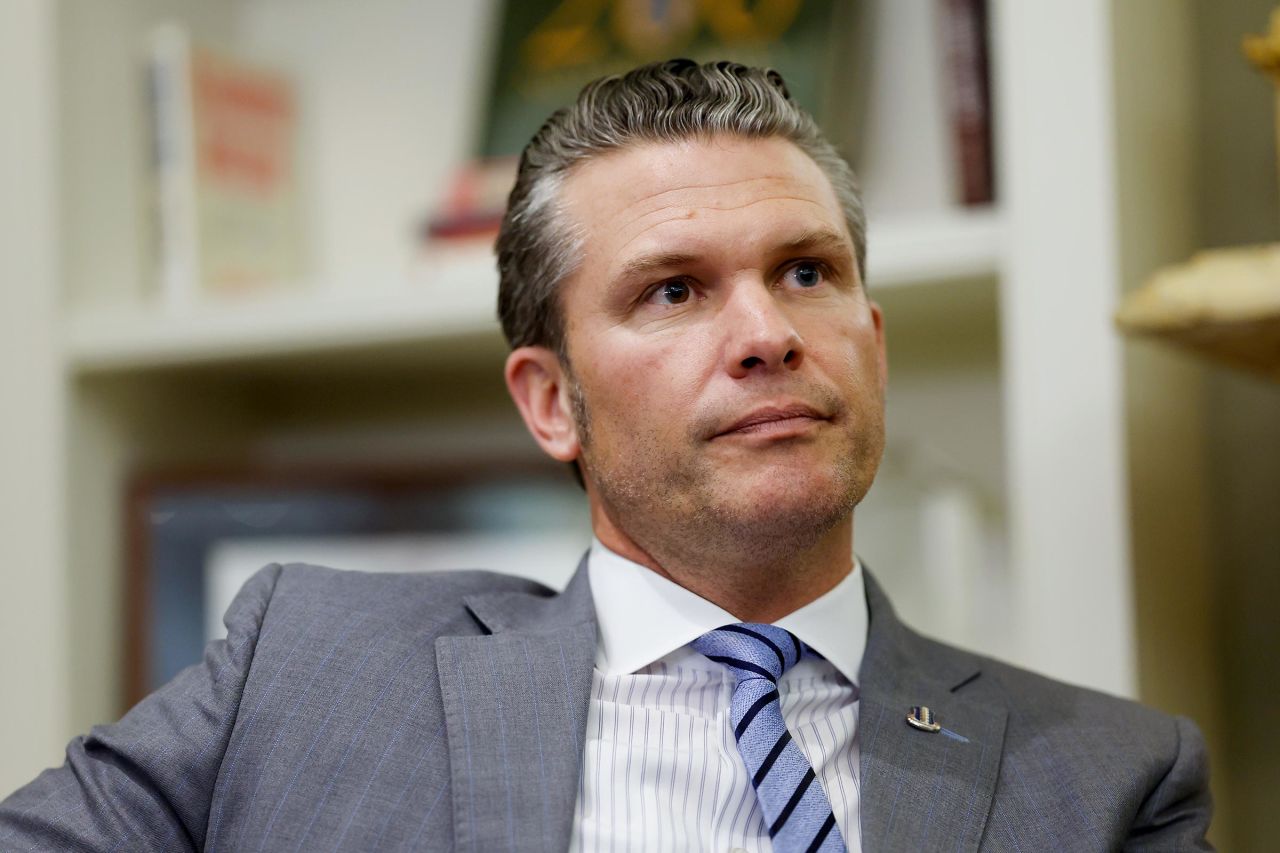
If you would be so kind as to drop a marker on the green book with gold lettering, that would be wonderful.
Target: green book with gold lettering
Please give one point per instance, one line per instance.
(547, 49)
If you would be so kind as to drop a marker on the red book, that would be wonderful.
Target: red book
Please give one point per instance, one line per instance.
(968, 94)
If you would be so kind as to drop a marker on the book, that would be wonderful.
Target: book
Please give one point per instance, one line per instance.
(224, 136)
(968, 94)
(547, 49)
(475, 202)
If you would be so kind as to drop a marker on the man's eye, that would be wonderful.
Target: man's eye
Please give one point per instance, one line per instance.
(806, 275)
(672, 293)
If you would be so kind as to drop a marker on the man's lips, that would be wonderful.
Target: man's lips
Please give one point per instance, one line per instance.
(780, 420)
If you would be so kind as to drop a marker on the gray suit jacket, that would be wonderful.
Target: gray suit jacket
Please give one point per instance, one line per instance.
(348, 711)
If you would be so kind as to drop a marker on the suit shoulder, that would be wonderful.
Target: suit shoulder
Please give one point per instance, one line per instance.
(1086, 752)
(461, 581)
(406, 595)
(1125, 740)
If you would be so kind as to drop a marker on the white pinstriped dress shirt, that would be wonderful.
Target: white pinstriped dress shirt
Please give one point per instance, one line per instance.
(661, 770)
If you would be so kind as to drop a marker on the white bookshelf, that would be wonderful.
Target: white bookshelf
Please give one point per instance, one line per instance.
(457, 302)
(453, 300)
(1003, 361)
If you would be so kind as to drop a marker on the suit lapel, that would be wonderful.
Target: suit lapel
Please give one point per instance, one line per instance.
(922, 790)
(515, 712)
(516, 704)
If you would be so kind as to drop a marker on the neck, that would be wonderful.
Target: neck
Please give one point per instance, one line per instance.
(747, 581)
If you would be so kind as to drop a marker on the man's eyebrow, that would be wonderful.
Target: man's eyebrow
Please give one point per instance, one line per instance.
(819, 240)
(648, 264)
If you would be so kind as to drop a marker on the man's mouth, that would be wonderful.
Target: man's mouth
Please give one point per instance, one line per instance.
(775, 421)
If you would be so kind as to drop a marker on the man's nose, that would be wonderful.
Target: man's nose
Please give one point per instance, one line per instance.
(761, 336)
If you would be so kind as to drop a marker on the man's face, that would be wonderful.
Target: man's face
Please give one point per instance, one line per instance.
(727, 366)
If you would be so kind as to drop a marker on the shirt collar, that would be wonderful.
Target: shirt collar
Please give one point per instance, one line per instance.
(643, 616)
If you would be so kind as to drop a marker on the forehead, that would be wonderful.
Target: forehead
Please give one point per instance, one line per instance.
(646, 197)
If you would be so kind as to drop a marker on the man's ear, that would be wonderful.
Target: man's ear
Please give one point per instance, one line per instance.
(877, 317)
(538, 385)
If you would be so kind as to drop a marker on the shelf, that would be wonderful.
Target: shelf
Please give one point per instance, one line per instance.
(290, 323)
(928, 249)
(455, 303)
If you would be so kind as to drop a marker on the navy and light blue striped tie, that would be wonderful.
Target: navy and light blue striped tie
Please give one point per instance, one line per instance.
(795, 807)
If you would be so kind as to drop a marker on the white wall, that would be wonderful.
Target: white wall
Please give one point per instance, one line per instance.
(33, 625)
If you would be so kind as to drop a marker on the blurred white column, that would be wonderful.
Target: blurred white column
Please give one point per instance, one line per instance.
(33, 599)
(1064, 416)
(953, 546)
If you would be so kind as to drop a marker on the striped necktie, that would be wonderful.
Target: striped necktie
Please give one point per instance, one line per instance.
(795, 807)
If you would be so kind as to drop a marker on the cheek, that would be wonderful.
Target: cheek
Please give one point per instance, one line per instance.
(847, 345)
(643, 389)
(849, 358)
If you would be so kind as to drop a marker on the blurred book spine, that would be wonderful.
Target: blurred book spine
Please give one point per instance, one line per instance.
(224, 156)
(968, 94)
(475, 202)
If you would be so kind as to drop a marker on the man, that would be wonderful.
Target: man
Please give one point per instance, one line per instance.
(682, 282)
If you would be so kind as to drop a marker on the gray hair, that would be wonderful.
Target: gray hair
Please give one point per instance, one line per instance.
(671, 101)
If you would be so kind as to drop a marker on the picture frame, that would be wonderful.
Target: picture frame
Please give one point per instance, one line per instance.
(194, 535)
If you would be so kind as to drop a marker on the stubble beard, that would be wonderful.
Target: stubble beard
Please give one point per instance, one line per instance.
(680, 514)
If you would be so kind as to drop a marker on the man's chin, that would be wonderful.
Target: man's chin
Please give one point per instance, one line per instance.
(771, 534)
(778, 499)
(781, 477)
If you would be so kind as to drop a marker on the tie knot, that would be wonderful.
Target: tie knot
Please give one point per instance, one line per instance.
(751, 649)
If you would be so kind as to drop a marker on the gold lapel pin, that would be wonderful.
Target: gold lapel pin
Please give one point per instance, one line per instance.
(922, 718)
